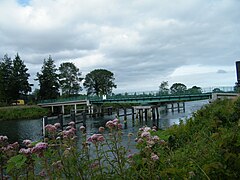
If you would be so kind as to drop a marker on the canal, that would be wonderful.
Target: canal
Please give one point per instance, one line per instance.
(32, 129)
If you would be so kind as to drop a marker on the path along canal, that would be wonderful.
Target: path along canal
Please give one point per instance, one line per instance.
(32, 129)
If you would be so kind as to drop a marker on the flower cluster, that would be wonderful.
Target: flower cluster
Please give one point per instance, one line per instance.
(95, 138)
(147, 142)
(114, 124)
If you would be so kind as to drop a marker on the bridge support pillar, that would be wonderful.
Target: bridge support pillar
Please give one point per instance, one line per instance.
(146, 115)
(178, 107)
(75, 108)
(183, 106)
(62, 109)
(153, 114)
(172, 108)
(52, 109)
(133, 117)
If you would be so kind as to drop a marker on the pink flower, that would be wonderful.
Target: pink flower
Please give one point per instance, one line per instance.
(110, 124)
(26, 152)
(155, 138)
(145, 134)
(101, 129)
(154, 157)
(82, 128)
(71, 123)
(50, 128)
(146, 129)
(39, 147)
(96, 138)
(27, 142)
(140, 140)
(119, 126)
(57, 125)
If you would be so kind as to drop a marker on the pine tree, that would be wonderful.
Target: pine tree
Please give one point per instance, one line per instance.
(19, 79)
(48, 80)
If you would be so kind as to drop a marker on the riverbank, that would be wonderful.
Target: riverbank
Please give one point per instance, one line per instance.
(22, 112)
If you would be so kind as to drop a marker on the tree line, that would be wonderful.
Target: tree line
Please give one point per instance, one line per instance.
(67, 79)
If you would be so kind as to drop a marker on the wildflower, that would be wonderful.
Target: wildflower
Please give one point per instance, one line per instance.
(3, 138)
(57, 125)
(146, 129)
(39, 147)
(162, 142)
(50, 128)
(101, 129)
(130, 156)
(82, 128)
(119, 126)
(150, 143)
(130, 134)
(110, 124)
(145, 134)
(27, 142)
(71, 123)
(154, 157)
(140, 140)
(58, 165)
(155, 138)
(26, 152)
(96, 138)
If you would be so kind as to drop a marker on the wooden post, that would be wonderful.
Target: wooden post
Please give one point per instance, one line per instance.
(44, 123)
(60, 118)
(146, 114)
(125, 113)
(178, 106)
(172, 107)
(157, 113)
(84, 119)
(102, 111)
(117, 112)
(183, 106)
(133, 117)
(73, 116)
(153, 114)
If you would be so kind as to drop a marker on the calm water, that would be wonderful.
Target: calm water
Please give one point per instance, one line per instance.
(32, 129)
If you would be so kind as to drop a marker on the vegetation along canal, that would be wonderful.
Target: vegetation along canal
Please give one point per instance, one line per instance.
(32, 129)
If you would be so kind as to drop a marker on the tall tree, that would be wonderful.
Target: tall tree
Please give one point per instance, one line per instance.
(195, 90)
(178, 88)
(19, 79)
(5, 79)
(69, 79)
(48, 80)
(99, 82)
(163, 88)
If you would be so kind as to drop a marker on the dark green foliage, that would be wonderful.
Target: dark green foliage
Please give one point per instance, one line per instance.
(206, 146)
(69, 79)
(194, 90)
(48, 80)
(99, 82)
(22, 112)
(178, 88)
(13, 79)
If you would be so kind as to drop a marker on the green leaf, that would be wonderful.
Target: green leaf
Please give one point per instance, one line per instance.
(16, 162)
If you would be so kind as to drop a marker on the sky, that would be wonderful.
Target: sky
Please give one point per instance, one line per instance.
(143, 42)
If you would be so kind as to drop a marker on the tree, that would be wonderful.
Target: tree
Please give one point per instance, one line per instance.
(178, 88)
(194, 90)
(99, 82)
(48, 80)
(163, 88)
(19, 79)
(69, 78)
(5, 79)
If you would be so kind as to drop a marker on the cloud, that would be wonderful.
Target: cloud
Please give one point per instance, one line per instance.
(142, 41)
(221, 71)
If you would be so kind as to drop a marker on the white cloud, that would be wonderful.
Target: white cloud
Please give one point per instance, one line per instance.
(142, 41)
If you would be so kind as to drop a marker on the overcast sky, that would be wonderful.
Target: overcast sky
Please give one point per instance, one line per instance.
(143, 42)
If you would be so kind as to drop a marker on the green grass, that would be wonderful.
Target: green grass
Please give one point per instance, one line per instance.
(22, 112)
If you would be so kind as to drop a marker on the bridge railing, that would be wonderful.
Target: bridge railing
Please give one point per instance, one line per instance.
(140, 94)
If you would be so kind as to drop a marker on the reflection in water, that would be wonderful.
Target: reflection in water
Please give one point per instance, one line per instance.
(32, 129)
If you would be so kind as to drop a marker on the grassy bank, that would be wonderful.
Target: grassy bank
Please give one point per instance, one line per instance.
(207, 146)
(21, 112)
